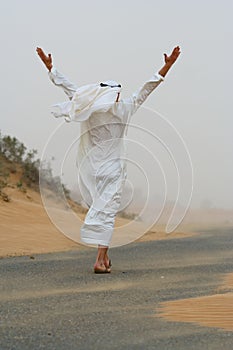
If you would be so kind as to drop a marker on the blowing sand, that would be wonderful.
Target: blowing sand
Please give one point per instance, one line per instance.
(211, 311)
(26, 229)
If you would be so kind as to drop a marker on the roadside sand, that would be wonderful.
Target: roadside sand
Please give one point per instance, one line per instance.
(211, 311)
(25, 227)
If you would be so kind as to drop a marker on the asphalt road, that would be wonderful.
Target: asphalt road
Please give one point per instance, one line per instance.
(54, 301)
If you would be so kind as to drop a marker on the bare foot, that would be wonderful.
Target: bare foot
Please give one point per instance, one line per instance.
(101, 268)
(107, 262)
(102, 264)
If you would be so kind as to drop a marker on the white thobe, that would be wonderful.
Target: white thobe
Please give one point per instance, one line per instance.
(101, 163)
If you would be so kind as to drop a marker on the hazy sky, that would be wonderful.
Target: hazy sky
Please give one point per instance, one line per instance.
(125, 40)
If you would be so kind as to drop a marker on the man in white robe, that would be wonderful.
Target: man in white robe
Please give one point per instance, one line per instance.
(103, 117)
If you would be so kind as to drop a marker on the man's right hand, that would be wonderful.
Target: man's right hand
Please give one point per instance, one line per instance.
(46, 59)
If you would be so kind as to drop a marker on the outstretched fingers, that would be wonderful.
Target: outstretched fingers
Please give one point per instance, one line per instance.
(40, 52)
(46, 59)
(176, 51)
(42, 55)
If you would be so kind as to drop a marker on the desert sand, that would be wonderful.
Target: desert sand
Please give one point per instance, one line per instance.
(211, 311)
(25, 227)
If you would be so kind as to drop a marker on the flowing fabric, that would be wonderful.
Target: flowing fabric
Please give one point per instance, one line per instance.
(87, 100)
(100, 160)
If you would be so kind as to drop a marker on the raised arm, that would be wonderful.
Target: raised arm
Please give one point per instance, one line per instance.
(130, 105)
(56, 77)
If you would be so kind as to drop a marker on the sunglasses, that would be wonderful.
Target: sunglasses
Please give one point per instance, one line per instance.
(112, 86)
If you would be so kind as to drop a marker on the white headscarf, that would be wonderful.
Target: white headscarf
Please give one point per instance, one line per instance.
(88, 99)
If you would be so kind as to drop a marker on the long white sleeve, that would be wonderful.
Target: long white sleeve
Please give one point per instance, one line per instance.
(128, 106)
(137, 98)
(60, 80)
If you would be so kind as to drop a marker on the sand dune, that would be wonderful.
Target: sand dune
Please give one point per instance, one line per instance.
(25, 227)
